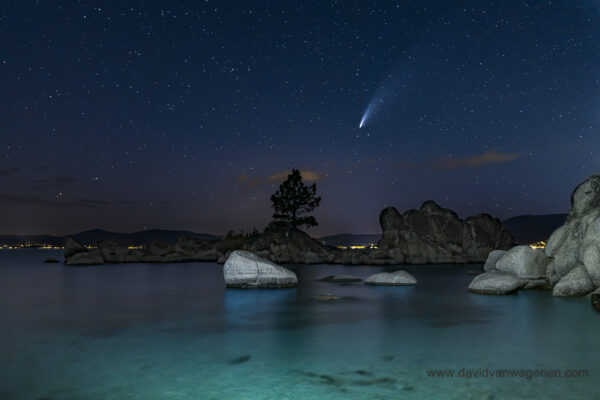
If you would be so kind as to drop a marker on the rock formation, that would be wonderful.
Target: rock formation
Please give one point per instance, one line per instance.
(245, 270)
(570, 263)
(294, 246)
(435, 235)
(72, 247)
(518, 268)
(396, 278)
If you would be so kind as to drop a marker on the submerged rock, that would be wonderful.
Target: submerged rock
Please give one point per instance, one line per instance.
(240, 360)
(396, 278)
(575, 283)
(341, 278)
(495, 283)
(246, 270)
(50, 260)
(596, 299)
(327, 297)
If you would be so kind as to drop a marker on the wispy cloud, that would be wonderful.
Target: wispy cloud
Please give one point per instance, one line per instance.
(10, 171)
(250, 181)
(91, 202)
(490, 157)
(30, 200)
(62, 180)
(307, 175)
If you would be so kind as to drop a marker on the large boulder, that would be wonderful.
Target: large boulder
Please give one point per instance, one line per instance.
(433, 234)
(495, 283)
(591, 262)
(194, 249)
(585, 197)
(396, 278)
(113, 252)
(72, 247)
(575, 283)
(246, 270)
(556, 240)
(160, 249)
(87, 258)
(482, 234)
(492, 260)
(525, 262)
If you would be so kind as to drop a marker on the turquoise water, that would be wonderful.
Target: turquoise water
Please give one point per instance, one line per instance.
(172, 331)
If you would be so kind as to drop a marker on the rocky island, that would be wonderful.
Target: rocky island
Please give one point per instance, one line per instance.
(431, 234)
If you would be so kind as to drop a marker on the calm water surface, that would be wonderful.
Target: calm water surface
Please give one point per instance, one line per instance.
(172, 331)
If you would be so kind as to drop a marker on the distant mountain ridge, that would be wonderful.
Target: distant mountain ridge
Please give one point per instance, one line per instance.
(525, 228)
(92, 236)
(533, 228)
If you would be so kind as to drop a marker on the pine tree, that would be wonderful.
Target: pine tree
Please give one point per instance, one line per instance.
(293, 201)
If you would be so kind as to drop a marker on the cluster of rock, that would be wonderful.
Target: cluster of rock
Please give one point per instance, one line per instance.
(186, 249)
(429, 235)
(286, 247)
(246, 270)
(522, 267)
(435, 235)
(570, 262)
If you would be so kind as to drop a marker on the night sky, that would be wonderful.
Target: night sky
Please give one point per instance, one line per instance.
(185, 115)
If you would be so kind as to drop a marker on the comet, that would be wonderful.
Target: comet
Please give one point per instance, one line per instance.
(385, 95)
(370, 111)
(365, 116)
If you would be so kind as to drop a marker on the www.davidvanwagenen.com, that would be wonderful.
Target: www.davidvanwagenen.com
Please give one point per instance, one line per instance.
(507, 373)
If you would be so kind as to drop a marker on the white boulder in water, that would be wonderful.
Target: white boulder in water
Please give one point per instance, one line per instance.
(246, 270)
(495, 283)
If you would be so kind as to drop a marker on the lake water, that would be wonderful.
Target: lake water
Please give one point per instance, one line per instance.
(172, 331)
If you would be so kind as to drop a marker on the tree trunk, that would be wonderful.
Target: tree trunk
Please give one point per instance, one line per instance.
(294, 219)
